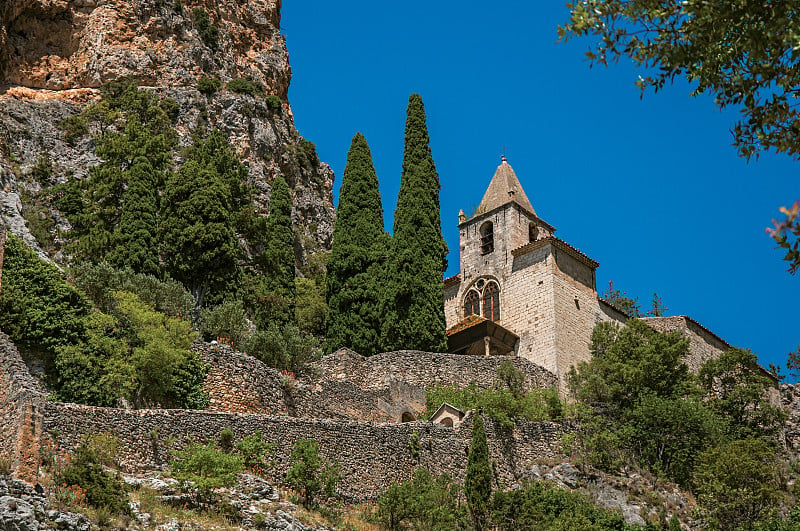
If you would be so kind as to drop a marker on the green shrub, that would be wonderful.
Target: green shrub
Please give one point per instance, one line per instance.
(103, 489)
(38, 308)
(274, 103)
(307, 154)
(208, 86)
(255, 452)
(99, 281)
(209, 33)
(284, 347)
(311, 476)
(424, 502)
(226, 440)
(136, 354)
(246, 85)
(227, 321)
(206, 467)
(74, 127)
(310, 307)
(539, 505)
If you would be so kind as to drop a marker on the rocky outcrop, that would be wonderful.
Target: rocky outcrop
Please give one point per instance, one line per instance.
(23, 508)
(54, 54)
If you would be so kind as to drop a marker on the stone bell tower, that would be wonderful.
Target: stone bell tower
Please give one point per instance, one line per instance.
(521, 291)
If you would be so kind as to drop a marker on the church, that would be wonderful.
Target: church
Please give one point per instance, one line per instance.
(524, 292)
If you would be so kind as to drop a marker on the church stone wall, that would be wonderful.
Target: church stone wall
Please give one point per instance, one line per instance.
(528, 295)
(703, 345)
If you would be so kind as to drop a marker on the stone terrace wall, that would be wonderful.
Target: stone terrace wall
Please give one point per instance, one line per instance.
(423, 369)
(371, 455)
(346, 385)
(239, 383)
(20, 416)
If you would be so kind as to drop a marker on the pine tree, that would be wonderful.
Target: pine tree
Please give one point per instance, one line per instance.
(352, 281)
(276, 292)
(658, 309)
(413, 307)
(138, 239)
(478, 480)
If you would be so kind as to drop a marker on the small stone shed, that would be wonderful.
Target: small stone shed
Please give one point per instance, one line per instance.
(448, 415)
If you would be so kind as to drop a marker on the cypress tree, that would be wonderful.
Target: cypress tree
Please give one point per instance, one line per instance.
(138, 248)
(277, 289)
(354, 314)
(414, 303)
(478, 480)
(199, 244)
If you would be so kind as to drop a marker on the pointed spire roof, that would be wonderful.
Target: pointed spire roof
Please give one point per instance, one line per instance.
(504, 189)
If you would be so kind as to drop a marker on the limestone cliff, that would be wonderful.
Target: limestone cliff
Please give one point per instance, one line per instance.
(54, 54)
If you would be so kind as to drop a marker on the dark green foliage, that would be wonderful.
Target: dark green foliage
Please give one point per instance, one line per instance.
(512, 377)
(209, 33)
(38, 308)
(740, 388)
(99, 281)
(198, 240)
(103, 489)
(739, 483)
(621, 300)
(228, 321)
(413, 310)
(208, 86)
(274, 103)
(38, 218)
(42, 171)
(357, 257)
(628, 364)
(312, 476)
(246, 85)
(142, 128)
(275, 292)
(137, 247)
(666, 435)
(307, 154)
(425, 502)
(283, 347)
(539, 505)
(478, 480)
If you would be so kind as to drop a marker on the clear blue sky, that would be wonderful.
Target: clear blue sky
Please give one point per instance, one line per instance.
(650, 188)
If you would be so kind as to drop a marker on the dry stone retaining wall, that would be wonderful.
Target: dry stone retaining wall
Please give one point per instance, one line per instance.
(20, 415)
(371, 455)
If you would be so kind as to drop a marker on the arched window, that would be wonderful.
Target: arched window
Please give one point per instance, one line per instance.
(487, 238)
(472, 304)
(533, 232)
(491, 302)
(407, 417)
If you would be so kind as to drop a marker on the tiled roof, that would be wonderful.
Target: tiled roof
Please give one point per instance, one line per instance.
(558, 243)
(455, 279)
(504, 188)
(470, 320)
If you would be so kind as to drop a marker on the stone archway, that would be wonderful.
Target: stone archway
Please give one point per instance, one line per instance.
(446, 421)
(408, 417)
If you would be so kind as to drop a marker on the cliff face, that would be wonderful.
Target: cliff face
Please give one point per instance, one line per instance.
(54, 54)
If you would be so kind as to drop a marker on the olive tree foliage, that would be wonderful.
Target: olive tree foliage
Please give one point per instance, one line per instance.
(744, 54)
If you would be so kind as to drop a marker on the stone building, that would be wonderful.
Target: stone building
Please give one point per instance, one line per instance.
(523, 291)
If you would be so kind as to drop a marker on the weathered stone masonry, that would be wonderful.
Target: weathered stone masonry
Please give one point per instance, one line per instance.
(372, 455)
(20, 413)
